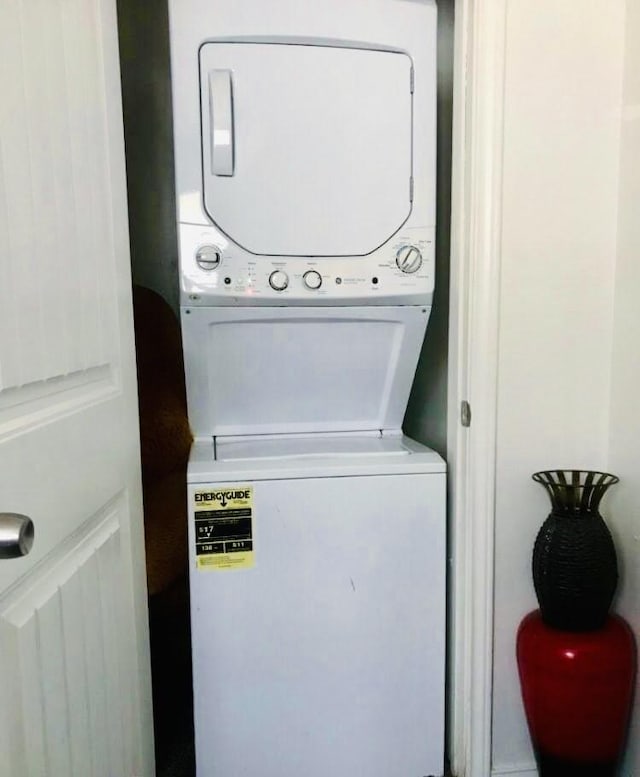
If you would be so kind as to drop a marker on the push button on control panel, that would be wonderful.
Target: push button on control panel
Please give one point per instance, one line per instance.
(312, 279)
(409, 259)
(278, 280)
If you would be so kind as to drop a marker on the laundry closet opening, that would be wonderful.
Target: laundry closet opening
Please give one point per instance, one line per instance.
(149, 138)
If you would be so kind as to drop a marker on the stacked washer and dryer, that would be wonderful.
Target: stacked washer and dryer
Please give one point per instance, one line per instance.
(305, 170)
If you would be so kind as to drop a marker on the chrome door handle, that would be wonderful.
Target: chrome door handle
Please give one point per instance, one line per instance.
(16, 535)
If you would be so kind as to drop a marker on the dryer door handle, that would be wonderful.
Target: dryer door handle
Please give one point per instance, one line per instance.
(221, 122)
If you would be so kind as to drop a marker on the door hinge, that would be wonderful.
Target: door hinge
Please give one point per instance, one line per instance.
(465, 413)
(411, 79)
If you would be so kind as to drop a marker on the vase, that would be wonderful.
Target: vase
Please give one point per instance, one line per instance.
(577, 689)
(575, 570)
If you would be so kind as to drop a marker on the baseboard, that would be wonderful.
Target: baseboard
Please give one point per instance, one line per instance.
(521, 770)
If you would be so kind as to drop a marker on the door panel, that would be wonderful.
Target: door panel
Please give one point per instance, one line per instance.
(55, 190)
(73, 627)
(63, 625)
(320, 136)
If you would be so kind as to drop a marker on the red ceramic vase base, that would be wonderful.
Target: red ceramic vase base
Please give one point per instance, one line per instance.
(550, 766)
(577, 689)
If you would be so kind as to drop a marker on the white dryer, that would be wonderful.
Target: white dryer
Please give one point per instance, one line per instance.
(305, 179)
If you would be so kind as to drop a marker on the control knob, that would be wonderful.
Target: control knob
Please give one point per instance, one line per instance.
(208, 257)
(278, 280)
(409, 259)
(312, 279)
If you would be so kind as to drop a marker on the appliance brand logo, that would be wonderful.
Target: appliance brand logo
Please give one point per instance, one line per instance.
(222, 496)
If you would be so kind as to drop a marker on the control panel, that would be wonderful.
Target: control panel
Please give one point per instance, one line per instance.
(215, 271)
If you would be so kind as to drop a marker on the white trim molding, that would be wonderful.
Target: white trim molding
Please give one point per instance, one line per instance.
(475, 286)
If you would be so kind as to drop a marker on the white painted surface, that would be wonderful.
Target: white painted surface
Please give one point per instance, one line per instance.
(288, 369)
(327, 657)
(624, 432)
(73, 622)
(568, 376)
(561, 146)
(476, 261)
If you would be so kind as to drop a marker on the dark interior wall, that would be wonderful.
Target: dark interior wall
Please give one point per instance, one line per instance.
(426, 416)
(146, 96)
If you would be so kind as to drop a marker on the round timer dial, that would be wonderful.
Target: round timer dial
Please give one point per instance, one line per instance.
(208, 257)
(409, 259)
(312, 279)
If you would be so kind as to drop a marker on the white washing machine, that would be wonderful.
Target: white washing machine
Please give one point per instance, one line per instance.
(305, 179)
(320, 650)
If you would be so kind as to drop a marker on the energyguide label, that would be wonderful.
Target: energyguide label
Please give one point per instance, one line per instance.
(224, 527)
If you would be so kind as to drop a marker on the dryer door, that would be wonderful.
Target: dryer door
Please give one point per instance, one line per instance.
(306, 149)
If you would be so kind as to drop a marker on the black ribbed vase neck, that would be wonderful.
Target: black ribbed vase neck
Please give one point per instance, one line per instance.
(575, 515)
(575, 493)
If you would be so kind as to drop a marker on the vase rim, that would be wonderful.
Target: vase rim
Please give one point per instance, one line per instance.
(575, 491)
(563, 478)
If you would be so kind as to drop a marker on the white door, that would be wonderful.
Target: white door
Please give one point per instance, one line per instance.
(74, 663)
(306, 148)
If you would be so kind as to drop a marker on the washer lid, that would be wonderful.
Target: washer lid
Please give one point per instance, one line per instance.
(252, 460)
(351, 445)
(306, 149)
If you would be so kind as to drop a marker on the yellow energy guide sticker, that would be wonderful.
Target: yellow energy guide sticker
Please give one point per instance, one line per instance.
(224, 527)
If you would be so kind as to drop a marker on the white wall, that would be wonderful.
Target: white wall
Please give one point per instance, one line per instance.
(624, 451)
(561, 134)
